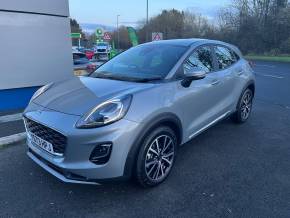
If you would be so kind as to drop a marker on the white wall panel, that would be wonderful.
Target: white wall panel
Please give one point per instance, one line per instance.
(56, 7)
(34, 49)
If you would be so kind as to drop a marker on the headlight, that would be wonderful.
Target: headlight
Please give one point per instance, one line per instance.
(106, 113)
(41, 91)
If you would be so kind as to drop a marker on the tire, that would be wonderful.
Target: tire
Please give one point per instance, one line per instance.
(244, 107)
(155, 160)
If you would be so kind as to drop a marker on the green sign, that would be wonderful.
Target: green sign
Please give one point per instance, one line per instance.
(99, 40)
(133, 36)
(113, 51)
(99, 32)
(76, 35)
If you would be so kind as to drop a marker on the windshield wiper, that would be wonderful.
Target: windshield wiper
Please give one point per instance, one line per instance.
(125, 78)
(106, 76)
(143, 80)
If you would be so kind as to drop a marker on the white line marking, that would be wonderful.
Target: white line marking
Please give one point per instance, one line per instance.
(269, 75)
(10, 118)
(7, 140)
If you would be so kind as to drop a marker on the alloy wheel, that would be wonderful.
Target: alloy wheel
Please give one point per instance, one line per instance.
(159, 158)
(246, 105)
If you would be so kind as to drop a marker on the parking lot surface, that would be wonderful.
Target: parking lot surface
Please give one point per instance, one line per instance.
(228, 171)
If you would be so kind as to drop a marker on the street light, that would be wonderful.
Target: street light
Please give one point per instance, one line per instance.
(147, 21)
(118, 32)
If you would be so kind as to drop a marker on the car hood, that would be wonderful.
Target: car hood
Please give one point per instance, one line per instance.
(79, 95)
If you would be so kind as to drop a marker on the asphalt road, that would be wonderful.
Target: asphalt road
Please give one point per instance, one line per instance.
(228, 171)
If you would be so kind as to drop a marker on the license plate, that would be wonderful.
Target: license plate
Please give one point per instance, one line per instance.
(40, 142)
(80, 73)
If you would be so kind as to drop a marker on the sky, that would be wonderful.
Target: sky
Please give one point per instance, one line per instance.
(132, 11)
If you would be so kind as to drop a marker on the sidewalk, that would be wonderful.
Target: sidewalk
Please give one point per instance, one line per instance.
(11, 127)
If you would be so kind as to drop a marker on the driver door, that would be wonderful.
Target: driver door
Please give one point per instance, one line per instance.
(200, 101)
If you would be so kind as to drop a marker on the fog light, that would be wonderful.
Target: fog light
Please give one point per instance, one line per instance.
(101, 153)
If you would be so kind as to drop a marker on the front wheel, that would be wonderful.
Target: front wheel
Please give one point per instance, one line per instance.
(156, 157)
(244, 107)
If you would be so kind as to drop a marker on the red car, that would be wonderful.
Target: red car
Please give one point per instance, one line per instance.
(89, 53)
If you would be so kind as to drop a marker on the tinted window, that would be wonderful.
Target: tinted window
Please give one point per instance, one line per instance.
(77, 56)
(102, 44)
(200, 59)
(141, 62)
(80, 58)
(225, 57)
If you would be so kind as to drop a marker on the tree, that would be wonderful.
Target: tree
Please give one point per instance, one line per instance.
(76, 28)
(123, 37)
(170, 23)
(256, 26)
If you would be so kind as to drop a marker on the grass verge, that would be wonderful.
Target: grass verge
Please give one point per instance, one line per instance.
(269, 58)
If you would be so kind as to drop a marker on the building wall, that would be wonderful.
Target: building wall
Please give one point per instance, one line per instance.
(35, 48)
(54, 7)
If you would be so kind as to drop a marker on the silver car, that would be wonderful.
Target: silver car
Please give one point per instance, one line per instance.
(128, 118)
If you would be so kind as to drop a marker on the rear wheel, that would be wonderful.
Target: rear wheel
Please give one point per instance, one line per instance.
(244, 108)
(156, 157)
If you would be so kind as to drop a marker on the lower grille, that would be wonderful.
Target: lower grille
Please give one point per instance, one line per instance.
(57, 139)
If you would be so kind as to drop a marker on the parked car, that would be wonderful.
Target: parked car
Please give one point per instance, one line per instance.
(129, 117)
(89, 53)
(82, 65)
(102, 51)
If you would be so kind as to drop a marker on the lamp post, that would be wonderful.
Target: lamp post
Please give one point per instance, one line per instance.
(147, 21)
(118, 32)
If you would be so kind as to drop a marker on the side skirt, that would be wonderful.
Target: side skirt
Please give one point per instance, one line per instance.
(209, 125)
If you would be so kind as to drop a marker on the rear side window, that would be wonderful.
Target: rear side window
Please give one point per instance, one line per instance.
(200, 59)
(77, 56)
(225, 56)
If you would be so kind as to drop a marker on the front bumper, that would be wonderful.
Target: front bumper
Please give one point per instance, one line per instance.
(74, 166)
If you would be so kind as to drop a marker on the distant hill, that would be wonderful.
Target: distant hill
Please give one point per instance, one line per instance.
(91, 28)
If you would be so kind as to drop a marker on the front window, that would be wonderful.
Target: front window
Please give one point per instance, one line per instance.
(145, 62)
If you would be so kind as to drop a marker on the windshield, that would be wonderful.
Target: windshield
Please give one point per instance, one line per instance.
(102, 44)
(145, 62)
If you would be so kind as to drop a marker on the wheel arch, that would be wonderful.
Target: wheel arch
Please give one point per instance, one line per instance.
(251, 85)
(165, 119)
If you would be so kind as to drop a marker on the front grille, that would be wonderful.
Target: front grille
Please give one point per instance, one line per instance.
(57, 139)
(101, 50)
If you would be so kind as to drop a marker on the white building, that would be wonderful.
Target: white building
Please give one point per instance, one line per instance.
(35, 48)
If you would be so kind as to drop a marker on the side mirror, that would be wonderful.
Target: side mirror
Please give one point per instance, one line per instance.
(195, 74)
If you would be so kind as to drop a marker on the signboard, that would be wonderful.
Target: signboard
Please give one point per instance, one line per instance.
(107, 36)
(132, 36)
(99, 32)
(76, 35)
(157, 36)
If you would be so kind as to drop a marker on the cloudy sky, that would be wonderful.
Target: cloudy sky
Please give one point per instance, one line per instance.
(132, 11)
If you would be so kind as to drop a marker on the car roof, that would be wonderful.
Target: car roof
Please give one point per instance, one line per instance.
(180, 42)
(187, 42)
(194, 41)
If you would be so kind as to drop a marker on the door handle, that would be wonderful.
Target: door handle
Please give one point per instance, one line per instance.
(240, 72)
(215, 82)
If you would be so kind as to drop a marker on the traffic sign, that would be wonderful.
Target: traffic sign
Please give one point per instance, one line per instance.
(107, 36)
(156, 36)
(76, 35)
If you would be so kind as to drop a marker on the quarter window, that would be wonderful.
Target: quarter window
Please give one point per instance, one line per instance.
(225, 57)
(200, 59)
